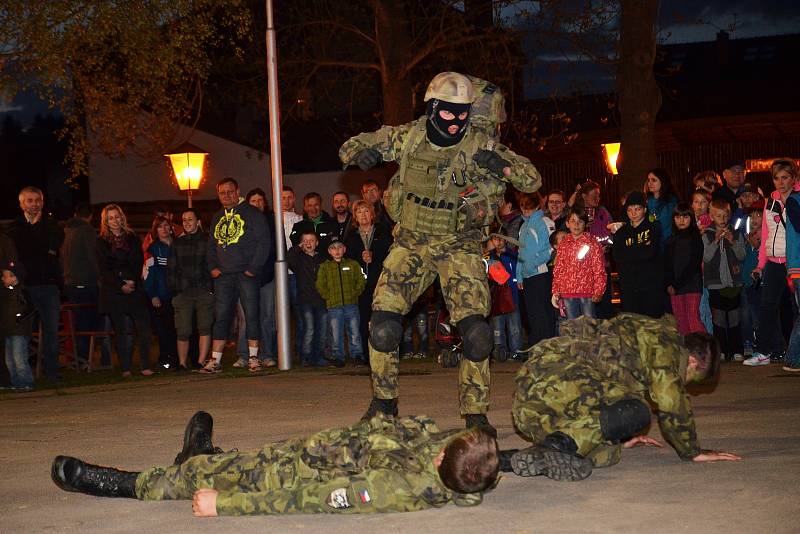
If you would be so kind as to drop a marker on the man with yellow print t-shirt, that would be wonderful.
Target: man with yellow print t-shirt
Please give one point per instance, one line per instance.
(237, 250)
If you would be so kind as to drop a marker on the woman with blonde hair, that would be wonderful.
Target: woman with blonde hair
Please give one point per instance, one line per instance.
(368, 244)
(120, 259)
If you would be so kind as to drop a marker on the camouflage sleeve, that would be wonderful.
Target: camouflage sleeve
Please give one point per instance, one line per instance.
(388, 141)
(379, 490)
(524, 175)
(667, 390)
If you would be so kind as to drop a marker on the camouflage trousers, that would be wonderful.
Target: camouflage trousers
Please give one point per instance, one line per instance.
(553, 396)
(413, 263)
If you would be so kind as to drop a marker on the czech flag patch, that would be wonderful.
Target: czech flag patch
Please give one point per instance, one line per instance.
(364, 496)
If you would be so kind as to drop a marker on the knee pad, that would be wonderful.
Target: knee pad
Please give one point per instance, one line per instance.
(385, 330)
(624, 419)
(477, 338)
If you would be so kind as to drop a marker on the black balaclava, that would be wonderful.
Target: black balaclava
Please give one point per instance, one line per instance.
(437, 127)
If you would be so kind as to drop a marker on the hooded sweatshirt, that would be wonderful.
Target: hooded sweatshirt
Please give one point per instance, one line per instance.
(239, 240)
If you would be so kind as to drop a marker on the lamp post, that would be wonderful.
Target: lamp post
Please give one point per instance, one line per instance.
(188, 163)
(611, 155)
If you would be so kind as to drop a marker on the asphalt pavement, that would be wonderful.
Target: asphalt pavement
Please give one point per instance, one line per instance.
(754, 412)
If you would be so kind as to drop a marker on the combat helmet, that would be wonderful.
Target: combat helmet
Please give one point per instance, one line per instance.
(451, 87)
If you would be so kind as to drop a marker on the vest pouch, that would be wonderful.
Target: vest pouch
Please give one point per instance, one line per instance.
(393, 198)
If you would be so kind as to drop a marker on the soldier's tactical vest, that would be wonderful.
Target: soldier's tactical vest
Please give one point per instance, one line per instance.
(439, 192)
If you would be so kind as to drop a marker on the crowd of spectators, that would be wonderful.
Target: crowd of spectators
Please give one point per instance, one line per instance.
(726, 260)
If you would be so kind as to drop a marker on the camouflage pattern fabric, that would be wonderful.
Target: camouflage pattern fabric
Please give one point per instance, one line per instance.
(442, 202)
(596, 362)
(381, 465)
(412, 265)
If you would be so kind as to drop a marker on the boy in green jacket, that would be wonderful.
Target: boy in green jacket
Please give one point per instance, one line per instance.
(340, 281)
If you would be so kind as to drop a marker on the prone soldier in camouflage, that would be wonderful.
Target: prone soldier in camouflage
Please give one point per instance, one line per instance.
(381, 465)
(452, 176)
(584, 396)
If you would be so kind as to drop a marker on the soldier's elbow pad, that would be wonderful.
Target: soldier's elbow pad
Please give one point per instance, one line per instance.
(476, 336)
(624, 419)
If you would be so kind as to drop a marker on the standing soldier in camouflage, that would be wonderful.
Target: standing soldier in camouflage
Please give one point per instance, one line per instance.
(583, 396)
(451, 179)
(381, 465)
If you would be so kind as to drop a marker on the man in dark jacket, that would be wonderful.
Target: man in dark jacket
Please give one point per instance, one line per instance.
(317, 220)
(38, 238)
(81, 275)
(237, 251)
(189, 280)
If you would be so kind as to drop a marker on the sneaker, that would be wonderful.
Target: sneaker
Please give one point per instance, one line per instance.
(268, 363)
(241, 363)
(790, 369)
(756, 359)
(738, 357)
(254, 365)
(211, 367)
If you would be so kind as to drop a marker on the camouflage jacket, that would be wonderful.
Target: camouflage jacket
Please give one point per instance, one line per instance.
(643, 354)
(472, 182)
(374, 466)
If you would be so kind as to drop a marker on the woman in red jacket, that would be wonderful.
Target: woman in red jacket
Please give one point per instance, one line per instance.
(579, 275)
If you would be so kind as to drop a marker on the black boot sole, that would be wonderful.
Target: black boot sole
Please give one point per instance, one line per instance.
(555, 465)
(58, 472)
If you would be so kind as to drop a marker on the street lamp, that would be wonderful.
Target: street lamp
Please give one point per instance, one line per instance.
(611, 154)
(188, 164)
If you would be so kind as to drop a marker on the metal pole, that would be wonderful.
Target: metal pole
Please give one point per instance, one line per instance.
(190, 198)
(281, 271)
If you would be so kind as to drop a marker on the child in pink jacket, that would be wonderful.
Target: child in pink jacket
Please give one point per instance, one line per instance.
(579, 275)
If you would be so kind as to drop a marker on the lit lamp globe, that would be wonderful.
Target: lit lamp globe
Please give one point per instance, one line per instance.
(188, 163)
(611, 155)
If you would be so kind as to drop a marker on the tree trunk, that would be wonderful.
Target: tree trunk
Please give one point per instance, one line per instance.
(394, 42)
(639, 96)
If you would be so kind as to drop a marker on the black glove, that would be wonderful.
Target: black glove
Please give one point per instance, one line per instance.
(368, 158)
(489, 159)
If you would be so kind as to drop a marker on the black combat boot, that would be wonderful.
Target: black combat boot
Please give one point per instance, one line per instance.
(197, 437)
(387, 407)
(556, 457)
(479, 420)
(71, 474)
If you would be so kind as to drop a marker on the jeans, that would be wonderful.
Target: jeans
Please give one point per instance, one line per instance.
(313, 342)
(19, 369)
(773, 283)
(87, 319)
(579, 306)
(751, 299)
(793, 351)
(345, 321)
(541, 315)
(705, 312)
(163, 321)
(228, 289)
(507, 329)
(268, 348)
(298, 317)
(418, 322)
(46, 301)
(135, 306)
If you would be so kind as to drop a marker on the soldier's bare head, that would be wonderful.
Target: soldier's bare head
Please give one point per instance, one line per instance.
(703, 356)
(471, 462)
